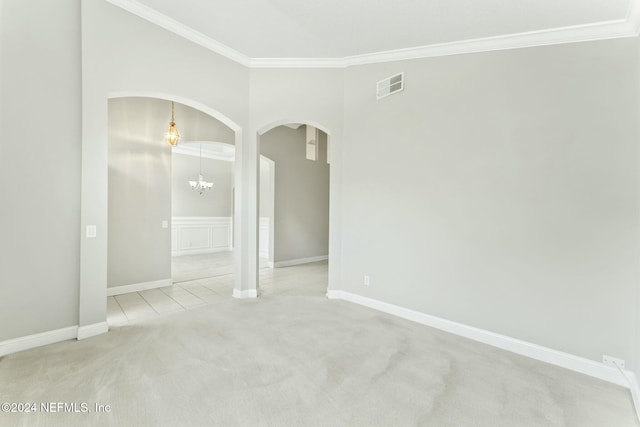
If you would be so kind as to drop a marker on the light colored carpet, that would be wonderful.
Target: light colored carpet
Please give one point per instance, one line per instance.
(299, 361)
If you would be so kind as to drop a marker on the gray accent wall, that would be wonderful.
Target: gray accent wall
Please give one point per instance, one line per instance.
(218, 201)
(40, 118)
(301, 194)
(500, 190)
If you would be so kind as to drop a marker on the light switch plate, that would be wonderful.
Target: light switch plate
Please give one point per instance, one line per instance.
(165, 224)
(92, 231)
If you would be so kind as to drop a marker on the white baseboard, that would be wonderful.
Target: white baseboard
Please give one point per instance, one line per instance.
(92, 330)
(534, 351)
(299, 261)
(37, 340)
(249, 293)
(136, 287)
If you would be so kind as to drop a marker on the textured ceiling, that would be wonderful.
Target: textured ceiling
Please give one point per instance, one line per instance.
(341, 28)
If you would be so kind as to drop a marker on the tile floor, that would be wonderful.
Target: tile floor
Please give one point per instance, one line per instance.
(192, 267)
(301, 280)
(137, 306)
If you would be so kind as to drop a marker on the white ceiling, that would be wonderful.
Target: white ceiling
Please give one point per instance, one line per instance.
(345, 28)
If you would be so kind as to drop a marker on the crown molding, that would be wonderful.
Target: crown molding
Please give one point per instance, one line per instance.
(628, 27)
(580, 33)
(180, 29)
(297, 63)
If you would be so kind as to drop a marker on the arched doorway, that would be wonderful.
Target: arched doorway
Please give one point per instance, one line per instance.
(166, 241)
(94, 206)
(295, 218)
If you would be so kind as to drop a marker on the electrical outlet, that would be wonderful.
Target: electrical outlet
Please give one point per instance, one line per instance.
(367, 281)
(612, 361)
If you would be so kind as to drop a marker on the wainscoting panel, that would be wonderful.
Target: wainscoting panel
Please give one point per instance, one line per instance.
(199, 235)
(194, 237)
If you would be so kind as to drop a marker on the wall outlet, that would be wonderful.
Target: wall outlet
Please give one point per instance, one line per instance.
(612, 361)
(367, 281)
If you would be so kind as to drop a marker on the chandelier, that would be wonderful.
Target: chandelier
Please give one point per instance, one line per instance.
(172, 136)
(200, 185)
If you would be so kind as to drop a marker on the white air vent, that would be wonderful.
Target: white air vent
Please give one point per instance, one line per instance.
(390, 85)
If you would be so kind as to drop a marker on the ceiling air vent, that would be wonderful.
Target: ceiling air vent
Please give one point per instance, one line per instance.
(390, 85)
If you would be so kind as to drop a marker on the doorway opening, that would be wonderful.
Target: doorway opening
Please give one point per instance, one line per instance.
(294, 210)
(157, 224)
(202, 219)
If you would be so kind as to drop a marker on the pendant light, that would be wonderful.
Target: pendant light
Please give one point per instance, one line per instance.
(172, 136)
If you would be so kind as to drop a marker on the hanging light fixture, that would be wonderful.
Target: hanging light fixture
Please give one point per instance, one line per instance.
(172, 136)
(200, 185)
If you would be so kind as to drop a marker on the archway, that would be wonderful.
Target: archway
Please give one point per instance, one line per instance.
(299, 211)
(94, 208)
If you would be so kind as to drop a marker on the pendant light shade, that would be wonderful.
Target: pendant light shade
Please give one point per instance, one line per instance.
(172, 136)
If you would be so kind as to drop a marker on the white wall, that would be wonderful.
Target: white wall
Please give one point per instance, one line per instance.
(39, 166)
(301, 194)
(500, 190)
(200, 235)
